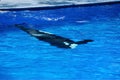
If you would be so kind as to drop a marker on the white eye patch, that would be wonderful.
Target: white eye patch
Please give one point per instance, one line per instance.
(66, 43)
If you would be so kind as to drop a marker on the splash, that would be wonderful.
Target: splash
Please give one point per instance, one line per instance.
(53, 19)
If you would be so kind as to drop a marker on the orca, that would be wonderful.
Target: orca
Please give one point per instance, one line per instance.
(53, 39)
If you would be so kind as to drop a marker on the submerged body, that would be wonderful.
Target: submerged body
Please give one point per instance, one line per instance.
(54, 40)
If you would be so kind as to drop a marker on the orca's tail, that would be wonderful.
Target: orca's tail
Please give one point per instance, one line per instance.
(84, 41)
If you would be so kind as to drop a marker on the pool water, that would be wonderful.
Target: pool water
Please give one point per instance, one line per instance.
(23, 57)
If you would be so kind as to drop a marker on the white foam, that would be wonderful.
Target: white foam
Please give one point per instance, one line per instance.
(53, 19)
(2, 12)
(82, 21)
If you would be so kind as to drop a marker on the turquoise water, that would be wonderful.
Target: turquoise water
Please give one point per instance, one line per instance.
(23, 57)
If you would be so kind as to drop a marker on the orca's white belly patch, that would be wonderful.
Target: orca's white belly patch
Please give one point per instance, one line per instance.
(45, 32)
(37, 35)
(72, 46)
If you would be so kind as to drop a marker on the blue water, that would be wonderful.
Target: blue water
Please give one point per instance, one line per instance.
(23, 57)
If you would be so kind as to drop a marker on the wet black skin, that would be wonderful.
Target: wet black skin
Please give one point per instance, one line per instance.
(52, 39)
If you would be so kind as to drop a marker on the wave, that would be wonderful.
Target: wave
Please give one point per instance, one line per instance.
(2, 12)
(53, 19)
